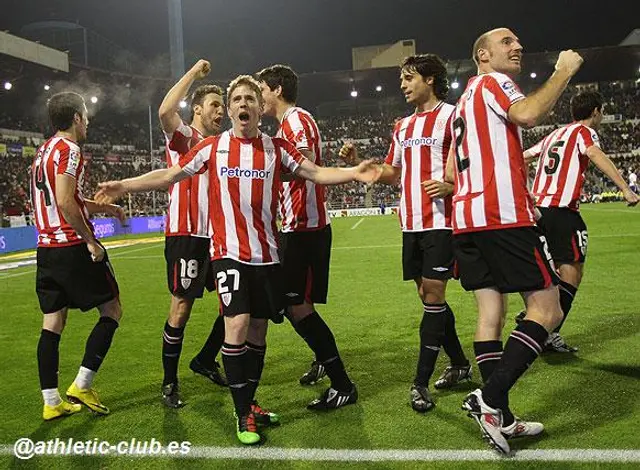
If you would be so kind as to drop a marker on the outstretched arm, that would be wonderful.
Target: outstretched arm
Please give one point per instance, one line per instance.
(154, 180)
(365, 172)
(605, 165)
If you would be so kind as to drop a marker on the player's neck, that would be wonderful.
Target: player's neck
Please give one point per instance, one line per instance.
(428, 105)
(586, 122)
(70, 135)
(281, 109)
(197, 125)
(246, 133)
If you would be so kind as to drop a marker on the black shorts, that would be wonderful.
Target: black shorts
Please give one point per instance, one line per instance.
(427, 254)
(67, 277)
(510, 260)
(247, 288)
(305, 259)
(188, 266)
(566, 233)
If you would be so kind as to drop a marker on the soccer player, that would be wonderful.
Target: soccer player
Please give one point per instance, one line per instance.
(563, 157)
(633, 180)
(498, 248)
(187, 238)
(305, 239)
(73, 267)
(417, 160)
(244, 167)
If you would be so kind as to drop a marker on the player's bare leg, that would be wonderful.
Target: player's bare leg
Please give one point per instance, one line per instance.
(96, 349)
(48, 361)
(571, 277)
(172, 338)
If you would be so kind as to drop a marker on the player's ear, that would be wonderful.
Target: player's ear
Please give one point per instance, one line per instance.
(483, 55)
(278, 90)
(197, 109)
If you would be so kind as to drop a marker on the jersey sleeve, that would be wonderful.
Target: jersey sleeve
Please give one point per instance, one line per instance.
(196, 160)
(503, 92)
(535, 150)
(70, 161)
(394, 155)
(295, 131)
(586, 138)
(180, 139)
(290, 156)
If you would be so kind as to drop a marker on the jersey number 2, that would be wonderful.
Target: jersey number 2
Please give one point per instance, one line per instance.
(462, 161)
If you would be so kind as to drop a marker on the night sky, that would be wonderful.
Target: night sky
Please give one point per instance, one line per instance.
(317, 35)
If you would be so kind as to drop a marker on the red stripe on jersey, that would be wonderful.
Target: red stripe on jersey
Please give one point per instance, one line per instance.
(407, 188)
(492, 203)
(234, 192)
(257, 188)
(564, 169)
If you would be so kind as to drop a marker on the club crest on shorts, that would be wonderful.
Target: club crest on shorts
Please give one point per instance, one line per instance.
(186, 282)
(226, 298)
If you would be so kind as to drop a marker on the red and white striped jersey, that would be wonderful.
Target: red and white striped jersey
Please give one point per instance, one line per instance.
(420, 146)
(188, 211)
(562, 165)
(243, 192)
(57, 156)
(302, 202)
(490, 178)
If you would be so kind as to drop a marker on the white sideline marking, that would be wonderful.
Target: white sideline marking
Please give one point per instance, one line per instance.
(33, 261)
(355, 226)
(389, 455)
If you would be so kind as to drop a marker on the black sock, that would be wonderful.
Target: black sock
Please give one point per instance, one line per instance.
(320, 339)
(255, 364)
(432, 328)
(171, 349)
(567, 294)
(211, 348)
(522, 348)
(235, 367)
(488, 354)
(48, 359)
(98, 343)
(451, 342)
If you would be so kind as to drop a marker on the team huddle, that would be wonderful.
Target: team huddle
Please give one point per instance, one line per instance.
(467, 211)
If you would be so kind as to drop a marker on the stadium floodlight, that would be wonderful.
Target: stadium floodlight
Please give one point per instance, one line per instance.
(94, 99)
(533, 75)
(47, 88)
(379, 88)
(8, 86)
(455, 84)
(183, 104)
(354, 93)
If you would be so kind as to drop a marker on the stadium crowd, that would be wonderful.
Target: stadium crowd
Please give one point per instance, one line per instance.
(118, 147)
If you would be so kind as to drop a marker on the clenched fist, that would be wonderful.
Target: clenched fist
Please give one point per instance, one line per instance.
(569, 61)
(201, 68)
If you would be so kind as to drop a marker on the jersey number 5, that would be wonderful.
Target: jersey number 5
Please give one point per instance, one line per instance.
(553, 157)
(462, 161)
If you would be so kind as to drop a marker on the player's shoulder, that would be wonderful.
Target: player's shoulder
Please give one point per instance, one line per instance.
(63, 143)
(447, 109)
(206, 142)
(588, 131)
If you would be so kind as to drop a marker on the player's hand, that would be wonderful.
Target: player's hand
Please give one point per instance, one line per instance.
(569, 61)
(631, 197)
(201, 68)
(437, 189)
(117, 212)
(96, 250)
(367, 172)
(349, 153)
(109, 192)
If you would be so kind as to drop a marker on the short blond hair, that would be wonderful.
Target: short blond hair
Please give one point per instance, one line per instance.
(247, 80)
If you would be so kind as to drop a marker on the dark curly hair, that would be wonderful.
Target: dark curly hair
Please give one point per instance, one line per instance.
(429, 65)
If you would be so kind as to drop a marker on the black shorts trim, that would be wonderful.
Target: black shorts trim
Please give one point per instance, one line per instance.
(68, 277)
(246, 288)
(511, 260)
(427, 254)
(306, 258)
(566, 233)
(188, 266)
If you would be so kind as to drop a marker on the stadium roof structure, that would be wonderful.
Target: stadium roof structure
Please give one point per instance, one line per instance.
(600, 64)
